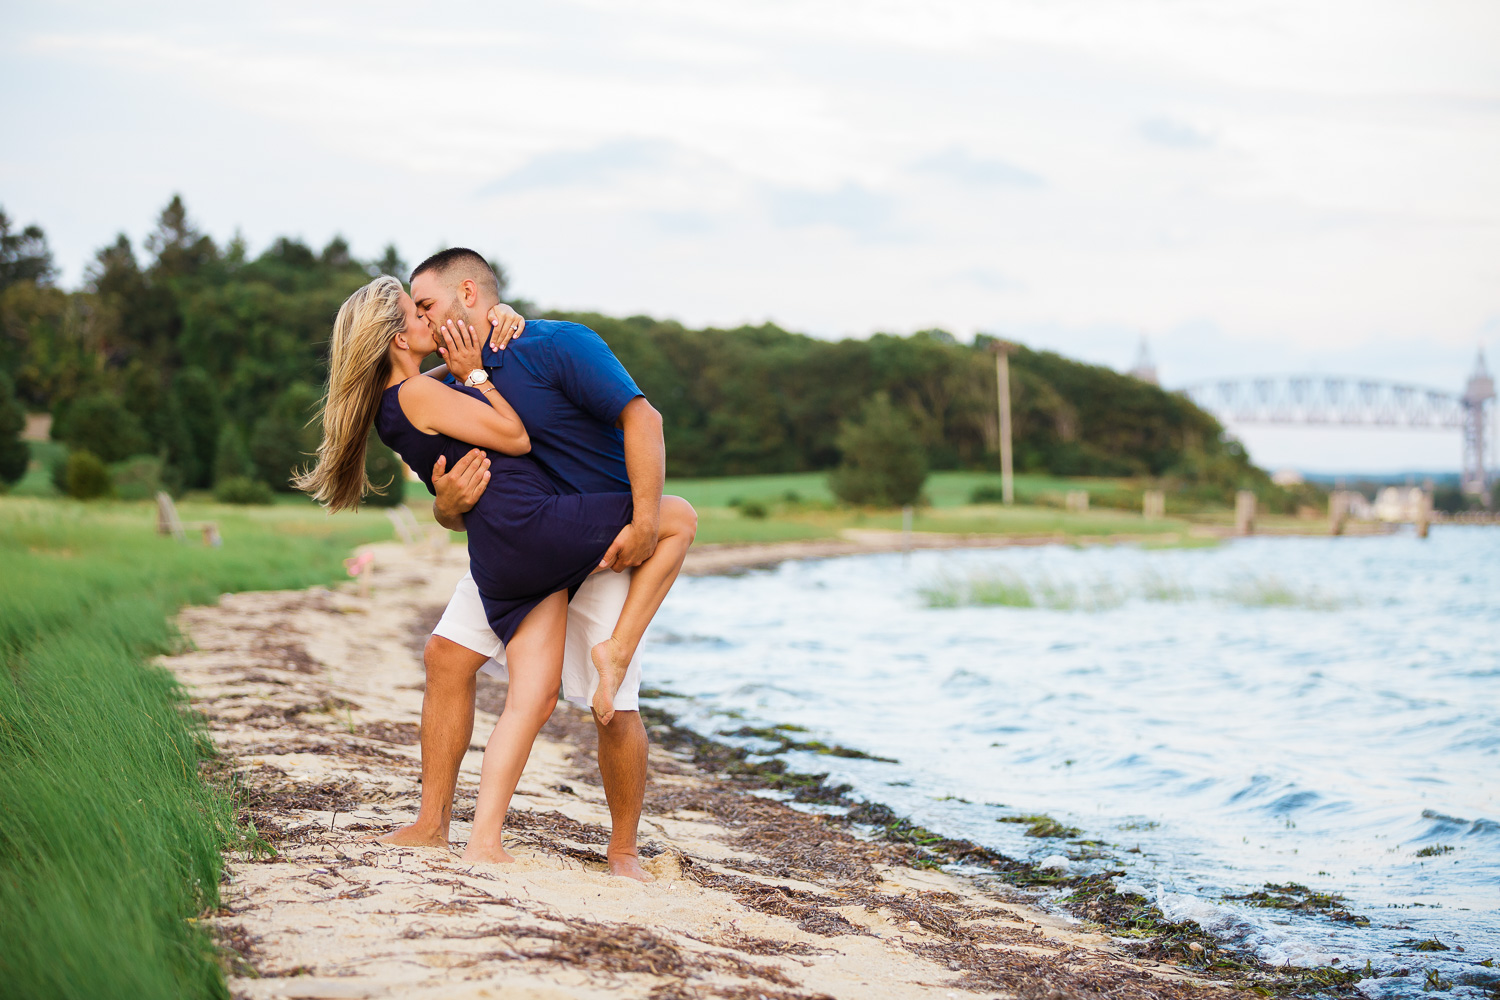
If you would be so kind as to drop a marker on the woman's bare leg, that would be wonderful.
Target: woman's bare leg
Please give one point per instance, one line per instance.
(649, 584)
(534, 657)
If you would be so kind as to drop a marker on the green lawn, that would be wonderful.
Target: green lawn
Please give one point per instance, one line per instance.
(111, 840)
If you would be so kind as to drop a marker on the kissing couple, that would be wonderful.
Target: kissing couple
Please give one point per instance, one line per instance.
(535, 442)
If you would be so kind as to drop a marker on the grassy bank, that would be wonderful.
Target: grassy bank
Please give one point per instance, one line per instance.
(800, 506)
(110, 840)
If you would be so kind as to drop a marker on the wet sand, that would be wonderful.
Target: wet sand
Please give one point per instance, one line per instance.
(314, 697)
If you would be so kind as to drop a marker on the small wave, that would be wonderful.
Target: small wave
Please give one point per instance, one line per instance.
(1247, 931)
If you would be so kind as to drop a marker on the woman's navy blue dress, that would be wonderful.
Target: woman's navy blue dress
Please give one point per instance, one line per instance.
(527, 539)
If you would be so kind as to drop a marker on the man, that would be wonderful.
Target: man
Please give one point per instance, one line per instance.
(594, 432)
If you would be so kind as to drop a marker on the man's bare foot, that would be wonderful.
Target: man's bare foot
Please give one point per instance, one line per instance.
(413, 835)
(487, 853)
(611, 662)
(629, 866)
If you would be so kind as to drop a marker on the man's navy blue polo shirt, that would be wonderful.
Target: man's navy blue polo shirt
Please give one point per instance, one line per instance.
(568, 388)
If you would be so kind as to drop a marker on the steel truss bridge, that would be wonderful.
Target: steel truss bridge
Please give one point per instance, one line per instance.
(1332, 401)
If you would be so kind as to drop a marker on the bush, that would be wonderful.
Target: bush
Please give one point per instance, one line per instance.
(14, 455)
(138, 478)
(987, 493)
(86, 477)
(753, 508)
(884, 462)
(242, 490)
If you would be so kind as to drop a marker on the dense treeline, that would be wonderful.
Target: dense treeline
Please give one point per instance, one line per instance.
(210, 360)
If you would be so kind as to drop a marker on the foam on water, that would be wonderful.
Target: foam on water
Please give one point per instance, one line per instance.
(1288, 710)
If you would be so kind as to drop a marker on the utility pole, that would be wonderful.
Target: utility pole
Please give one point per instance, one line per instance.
(1002, 349)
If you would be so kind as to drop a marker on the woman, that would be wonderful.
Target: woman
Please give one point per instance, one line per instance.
(530, 545)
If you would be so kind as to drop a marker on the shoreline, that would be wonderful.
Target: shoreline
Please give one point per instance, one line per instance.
(718, 558)
(313, 697)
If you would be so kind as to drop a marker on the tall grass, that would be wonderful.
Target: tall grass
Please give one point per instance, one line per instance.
(1007, 588)
(109, 838)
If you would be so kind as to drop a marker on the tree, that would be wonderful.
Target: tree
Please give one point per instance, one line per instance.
(197, 405)
(180, 249)
(15, 455)
(390, 262)
(283, 440)
(386, 474)
(884, 463)
(99, 423)
(24, 255)
(231, 459)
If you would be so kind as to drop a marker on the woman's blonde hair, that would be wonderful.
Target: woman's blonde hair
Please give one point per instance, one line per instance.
(359, 365)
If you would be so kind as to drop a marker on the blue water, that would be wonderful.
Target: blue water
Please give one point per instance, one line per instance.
(1272, 710)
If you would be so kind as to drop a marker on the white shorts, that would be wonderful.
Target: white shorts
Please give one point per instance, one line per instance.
(591, 618)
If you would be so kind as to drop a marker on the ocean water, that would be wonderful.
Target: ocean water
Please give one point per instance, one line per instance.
(1267, 711)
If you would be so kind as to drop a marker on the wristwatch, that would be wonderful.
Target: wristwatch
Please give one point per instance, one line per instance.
(477, 377)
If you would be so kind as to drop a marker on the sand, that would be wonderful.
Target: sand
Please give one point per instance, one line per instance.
(314, 698)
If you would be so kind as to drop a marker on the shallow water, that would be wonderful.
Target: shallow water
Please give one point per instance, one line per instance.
(1272, 710)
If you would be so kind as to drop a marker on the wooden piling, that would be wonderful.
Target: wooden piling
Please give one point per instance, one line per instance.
(1244, 513)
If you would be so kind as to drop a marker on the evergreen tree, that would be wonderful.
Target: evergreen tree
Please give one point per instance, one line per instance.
(24, 255)
(884, 463)
(390, 262)
(98, 422)
(386, 473)
(231, 458)
(180, 249)
(196, 403)
(15, 455)
(283, 440)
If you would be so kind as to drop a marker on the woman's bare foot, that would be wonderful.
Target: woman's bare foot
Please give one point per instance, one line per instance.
(611, 662)
(493, 854)
(414, 835)
(629, 866)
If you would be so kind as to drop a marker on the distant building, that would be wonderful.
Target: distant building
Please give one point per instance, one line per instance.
(1398, 503)
(1144, 368)
(1287, 477)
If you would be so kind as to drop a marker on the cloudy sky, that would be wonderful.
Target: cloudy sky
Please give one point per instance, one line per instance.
(1255, 186)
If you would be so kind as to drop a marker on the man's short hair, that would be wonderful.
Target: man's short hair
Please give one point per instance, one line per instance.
(460, 263)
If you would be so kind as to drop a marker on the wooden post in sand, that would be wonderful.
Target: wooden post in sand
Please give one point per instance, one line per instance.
(1077, 501)
(1002, 351)
(906, 516)
(1338, 511)
(1424, 512)
(1244, 513)
(1154, 505)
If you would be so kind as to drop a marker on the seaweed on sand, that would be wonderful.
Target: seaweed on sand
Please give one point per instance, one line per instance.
(777, 735)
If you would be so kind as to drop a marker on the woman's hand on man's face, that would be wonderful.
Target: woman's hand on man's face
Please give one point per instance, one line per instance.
(505, 325)
(461, 348)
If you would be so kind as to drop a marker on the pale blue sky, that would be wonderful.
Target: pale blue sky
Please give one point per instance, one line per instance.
(1255, 186)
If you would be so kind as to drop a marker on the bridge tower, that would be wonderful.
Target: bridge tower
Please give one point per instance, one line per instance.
(1476, 400)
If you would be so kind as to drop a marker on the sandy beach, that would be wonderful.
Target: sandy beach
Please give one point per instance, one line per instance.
(314, 699)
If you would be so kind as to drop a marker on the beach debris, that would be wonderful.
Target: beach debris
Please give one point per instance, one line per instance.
(1055, 862)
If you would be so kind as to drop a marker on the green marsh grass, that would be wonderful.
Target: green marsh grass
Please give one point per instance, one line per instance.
(110, 837)
(1007, 588)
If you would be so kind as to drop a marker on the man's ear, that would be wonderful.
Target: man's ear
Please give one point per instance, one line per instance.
(469, 292)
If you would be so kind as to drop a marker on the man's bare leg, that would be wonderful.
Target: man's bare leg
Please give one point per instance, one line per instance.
(622, 765)
(447, 727)
(649, 583)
